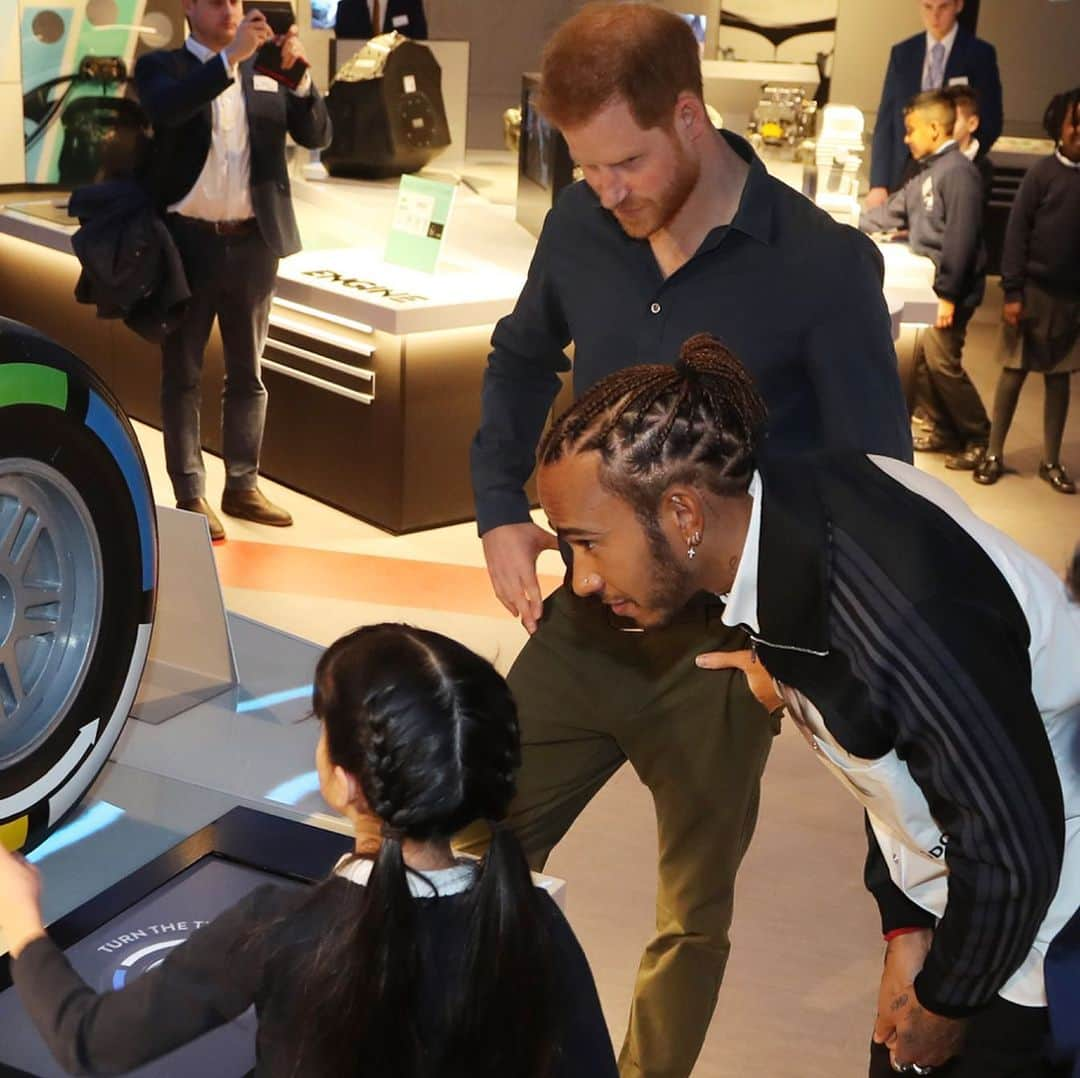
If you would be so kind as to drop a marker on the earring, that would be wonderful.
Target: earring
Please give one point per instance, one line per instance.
(692, 545)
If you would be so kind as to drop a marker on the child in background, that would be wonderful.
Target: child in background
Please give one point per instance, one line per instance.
(941, 206)
(1040, 274)
(966, 102)
(405, 963)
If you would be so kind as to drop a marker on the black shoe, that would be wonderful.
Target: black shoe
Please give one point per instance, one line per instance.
(966, 461)
(201, 505)
(253, 505)
(935, 441)
(1057, 477)
(989, 470)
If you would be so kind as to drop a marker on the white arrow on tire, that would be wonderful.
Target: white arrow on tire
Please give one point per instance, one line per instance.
(54, 777)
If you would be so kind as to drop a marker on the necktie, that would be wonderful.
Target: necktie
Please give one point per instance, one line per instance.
(376, 19)
(935, 70)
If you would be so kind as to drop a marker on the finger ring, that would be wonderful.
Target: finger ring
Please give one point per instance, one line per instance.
(910, 1068)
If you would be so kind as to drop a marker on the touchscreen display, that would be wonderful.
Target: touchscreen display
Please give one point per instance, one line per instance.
(136, 941)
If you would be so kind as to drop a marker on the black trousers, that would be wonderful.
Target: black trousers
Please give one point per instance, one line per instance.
(1003, 1041)
(231, 279)
(943, 391)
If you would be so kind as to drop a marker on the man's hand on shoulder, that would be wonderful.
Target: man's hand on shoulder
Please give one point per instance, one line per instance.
(510, 552)
(252, 33)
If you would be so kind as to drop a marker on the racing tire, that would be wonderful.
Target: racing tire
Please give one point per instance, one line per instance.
(78, 573)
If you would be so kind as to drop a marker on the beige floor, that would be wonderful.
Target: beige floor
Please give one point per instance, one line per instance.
(800, 990)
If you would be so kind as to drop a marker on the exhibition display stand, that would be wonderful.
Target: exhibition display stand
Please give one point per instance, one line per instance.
(374, 371)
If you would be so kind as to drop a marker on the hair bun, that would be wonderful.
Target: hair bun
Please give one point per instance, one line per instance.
(699, 353)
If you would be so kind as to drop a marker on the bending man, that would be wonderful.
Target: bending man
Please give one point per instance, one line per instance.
(930, 661)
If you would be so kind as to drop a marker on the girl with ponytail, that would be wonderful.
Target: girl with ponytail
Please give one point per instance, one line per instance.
(407, 962)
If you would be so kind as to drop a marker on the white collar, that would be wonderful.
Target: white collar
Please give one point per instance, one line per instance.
(435, 883)
(199, 50)
(940, 150)
(1063, 159)
(971, 151)
(741, 602)
(947, 40)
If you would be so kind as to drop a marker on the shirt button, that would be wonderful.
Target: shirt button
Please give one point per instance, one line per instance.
(655, 308)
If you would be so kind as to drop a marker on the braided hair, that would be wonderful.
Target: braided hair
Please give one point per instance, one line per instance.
(654, 425)
(430, 732)
(1061, 106)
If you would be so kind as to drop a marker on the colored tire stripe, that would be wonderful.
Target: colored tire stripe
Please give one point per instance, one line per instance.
(101, 419)
(32, 383)
(13, 834)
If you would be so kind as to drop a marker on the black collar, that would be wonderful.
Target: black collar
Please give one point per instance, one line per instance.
(753, 216)
(793, 556)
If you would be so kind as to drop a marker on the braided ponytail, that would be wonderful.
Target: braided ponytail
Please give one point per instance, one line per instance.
(429, 730)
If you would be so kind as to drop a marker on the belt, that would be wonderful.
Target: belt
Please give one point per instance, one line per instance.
(240, 227)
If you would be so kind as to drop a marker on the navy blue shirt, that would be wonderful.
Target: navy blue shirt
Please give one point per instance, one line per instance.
(796, 296)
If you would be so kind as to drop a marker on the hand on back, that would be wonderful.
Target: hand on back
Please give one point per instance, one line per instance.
(510, 552)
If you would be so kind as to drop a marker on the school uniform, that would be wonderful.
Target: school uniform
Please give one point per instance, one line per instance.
(250, 955)
(942, 208)
(1040, 265)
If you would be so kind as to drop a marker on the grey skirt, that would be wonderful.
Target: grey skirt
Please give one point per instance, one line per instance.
(1048, 337)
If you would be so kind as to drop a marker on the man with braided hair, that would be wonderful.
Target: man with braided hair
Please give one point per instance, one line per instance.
(928, 659)
(677, 229)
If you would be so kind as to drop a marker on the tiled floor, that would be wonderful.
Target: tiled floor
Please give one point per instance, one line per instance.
(800, 990)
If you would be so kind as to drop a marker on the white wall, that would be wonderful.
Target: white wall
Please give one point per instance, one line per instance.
(506, 38)
(12, 161)
(865, 32)
(1036, 43)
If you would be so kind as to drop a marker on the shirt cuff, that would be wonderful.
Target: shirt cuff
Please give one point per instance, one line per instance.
(303, 87)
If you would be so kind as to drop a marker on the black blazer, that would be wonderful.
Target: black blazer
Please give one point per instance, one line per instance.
(971, 59)
(354, 18)
(177, 89)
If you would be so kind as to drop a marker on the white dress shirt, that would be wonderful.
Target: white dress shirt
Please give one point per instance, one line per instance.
(223, 190)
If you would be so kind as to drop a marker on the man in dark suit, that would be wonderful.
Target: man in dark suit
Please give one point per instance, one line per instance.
(945, 55)
(218, 170)
(358, 18)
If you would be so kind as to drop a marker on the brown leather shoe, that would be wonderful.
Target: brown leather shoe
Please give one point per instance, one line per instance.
(253, 505)
(201, 505)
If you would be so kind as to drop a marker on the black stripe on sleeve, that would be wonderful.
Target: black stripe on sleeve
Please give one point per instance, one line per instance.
(955, 679)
